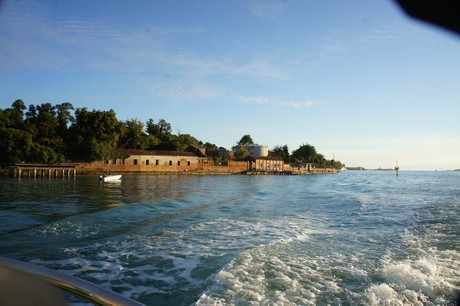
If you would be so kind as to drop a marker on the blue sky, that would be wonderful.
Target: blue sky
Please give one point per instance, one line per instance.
(357, 79)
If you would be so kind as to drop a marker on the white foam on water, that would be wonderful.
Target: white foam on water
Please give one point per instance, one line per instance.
(285, 273)
(270, 274)
(383, 294)
(428, 276)
(419, 281)
(142, 265)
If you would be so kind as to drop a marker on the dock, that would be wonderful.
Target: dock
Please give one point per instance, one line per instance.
(20, 170)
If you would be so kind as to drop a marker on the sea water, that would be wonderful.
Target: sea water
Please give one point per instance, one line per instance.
(352, 238)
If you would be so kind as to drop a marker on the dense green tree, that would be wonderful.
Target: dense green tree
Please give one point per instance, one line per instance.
(153, 137)
(186, 142)
(162, 130)
(152, 128)
(152, 141)
(305, 153)
(15, 145)
(133, 136)
(31, 114)
(3, 119)
(165, 130)
(319, 160)
(13, 117)
(281, 152)
(246, 139)
(94, 134)
(210, 149)
(242, 153)
(19, 105)
(165, 146)
(44, 154)
(64, 117)
(44, 126)
(43, 135)
(17, 114)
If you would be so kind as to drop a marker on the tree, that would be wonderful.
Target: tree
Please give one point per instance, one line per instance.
(44, 154)
(246, 139)
(186, 142)
(64, 117)
(13, 117)
(94, 134)
(210, 149)
(305, 153)
(19, 105)
(152, 128)
(153, 131)
(281, 152)
(165, 146)
(46, 122)
(134, 136)
(162, 130)
(31, 115)
(165, 130)
(242, 153)
(319, 160)
(15, 145)
(17, 114)
(3, 119)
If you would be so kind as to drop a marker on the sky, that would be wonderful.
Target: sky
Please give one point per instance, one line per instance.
(358, 79)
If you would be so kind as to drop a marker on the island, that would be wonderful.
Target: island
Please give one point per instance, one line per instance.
(59, 140)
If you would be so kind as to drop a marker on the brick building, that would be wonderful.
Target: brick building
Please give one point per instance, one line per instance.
(158, 161)
(265, 163)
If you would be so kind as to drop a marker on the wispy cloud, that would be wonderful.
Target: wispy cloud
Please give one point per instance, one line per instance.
(142, 52)
(23, 25)
(261, 100)
(270, 10)
(392, 32)
(112, 47)
(183, 92)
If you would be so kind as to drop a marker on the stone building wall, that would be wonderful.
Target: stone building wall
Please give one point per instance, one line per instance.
(166, 164)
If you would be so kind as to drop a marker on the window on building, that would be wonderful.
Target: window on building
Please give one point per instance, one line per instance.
(107, 162)
(135, 161)
(170, 162)
(157, 162)
(147, 162)
(188, 163)
(123, 161)
(178, 162)
(114, 161)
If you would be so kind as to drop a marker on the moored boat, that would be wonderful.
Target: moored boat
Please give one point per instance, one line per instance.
(110, 178)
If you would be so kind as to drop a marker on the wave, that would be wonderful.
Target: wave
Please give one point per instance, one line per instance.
(325, 269)
(156, 267)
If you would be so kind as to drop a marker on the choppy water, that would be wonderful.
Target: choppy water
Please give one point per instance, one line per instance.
(355, 238)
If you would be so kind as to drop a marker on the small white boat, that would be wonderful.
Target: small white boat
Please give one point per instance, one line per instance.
(110, 178)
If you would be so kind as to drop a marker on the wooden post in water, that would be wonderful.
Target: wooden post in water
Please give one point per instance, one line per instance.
(396, 168)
